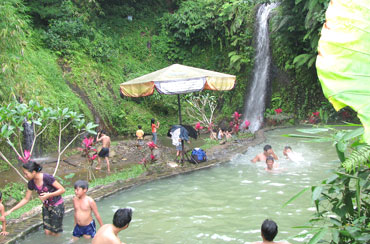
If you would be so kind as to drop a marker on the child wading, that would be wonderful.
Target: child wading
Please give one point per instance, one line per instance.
(84, 205)
(108, 233)
(50, 193)
(2, 218)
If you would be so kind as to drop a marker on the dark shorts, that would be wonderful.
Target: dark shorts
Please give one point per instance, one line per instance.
(104, 152)
(140, 142)
(89, 230)
(52, 217)
(179, 148)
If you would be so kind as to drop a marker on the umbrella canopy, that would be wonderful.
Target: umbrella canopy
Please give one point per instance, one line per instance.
(185, 130)
(177, 79)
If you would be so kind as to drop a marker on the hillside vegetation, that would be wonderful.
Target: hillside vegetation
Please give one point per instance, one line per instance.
(76, 53)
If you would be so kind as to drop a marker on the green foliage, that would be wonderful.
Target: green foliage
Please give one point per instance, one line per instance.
(358, 158)
(342, 201)
(13, 190)
(295, 31)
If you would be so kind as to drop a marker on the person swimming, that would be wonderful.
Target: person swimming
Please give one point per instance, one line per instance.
(267, 151)
(294, 156)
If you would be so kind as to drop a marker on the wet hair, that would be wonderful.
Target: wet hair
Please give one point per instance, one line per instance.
(102, 132)
(269, 229)
(139, 126)
(32, 166)
(152, 121)
(122, 217)
(270, 158)
(287, 147)
(82, 184)
(1, 196)
(266, 148)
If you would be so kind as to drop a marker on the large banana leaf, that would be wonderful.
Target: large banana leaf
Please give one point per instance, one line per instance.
(343, 62)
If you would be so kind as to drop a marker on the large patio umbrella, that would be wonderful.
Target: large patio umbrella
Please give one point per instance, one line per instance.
(177, 79)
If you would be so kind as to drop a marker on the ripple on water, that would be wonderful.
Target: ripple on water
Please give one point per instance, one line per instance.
(246, 181)
(277, 184)
(222, 237)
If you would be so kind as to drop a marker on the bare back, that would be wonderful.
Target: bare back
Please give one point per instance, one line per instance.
(105, 141)
(106, 235)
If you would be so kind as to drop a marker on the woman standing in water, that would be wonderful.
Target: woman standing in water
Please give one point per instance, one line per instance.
(49, 191)
(154, 130)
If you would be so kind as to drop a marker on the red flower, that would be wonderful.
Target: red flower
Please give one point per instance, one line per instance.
(152, 157)
(87, 142)
(151, 145)
(198, 126)
(236, 115)
(142, 161)
(26, 157)
(247, 123)
(93, 157)
(317, 113)
(278, 110)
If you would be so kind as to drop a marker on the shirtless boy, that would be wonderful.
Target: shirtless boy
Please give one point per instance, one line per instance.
(107, 234)
(104, 152)
(269, 230)
(83, 206)
(2, 218)
(270, 163)
(267, 151)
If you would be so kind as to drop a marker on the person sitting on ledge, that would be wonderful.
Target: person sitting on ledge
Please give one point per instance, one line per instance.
(269, 230)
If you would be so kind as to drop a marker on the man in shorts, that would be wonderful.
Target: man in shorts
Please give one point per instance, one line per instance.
(104, 152)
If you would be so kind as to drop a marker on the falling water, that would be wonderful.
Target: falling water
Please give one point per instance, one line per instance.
(255, 101)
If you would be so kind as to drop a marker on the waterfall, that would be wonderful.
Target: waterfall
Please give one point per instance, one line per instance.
(254, 105)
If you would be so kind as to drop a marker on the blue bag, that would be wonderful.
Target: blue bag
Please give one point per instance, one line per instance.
(198, 155)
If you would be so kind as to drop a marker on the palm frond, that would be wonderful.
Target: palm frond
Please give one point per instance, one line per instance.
(357, 158)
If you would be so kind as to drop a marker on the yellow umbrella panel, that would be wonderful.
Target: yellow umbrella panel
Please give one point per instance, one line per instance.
(177, 79)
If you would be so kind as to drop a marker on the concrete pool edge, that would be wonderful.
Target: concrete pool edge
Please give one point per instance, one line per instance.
(23, 227)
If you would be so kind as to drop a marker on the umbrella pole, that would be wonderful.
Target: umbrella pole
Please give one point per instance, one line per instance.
(180, 122)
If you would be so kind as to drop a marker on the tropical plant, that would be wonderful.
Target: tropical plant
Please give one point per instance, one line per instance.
(202, 107)
(90, 153)
(342, 201)
(14, 116)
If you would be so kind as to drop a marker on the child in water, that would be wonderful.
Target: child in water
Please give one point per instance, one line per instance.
(269, 230)
(83, 206)
(270, 163)
(294, 156)
(108, 233)
(2, 218)
(50, 193)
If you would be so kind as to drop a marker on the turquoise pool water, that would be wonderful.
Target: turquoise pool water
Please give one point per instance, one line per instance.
(223, 204)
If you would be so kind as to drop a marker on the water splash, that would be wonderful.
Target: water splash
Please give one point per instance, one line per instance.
(254, 105)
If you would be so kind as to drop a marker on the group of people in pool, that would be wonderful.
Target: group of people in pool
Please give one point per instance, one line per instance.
(50, 193)
(268, 155)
